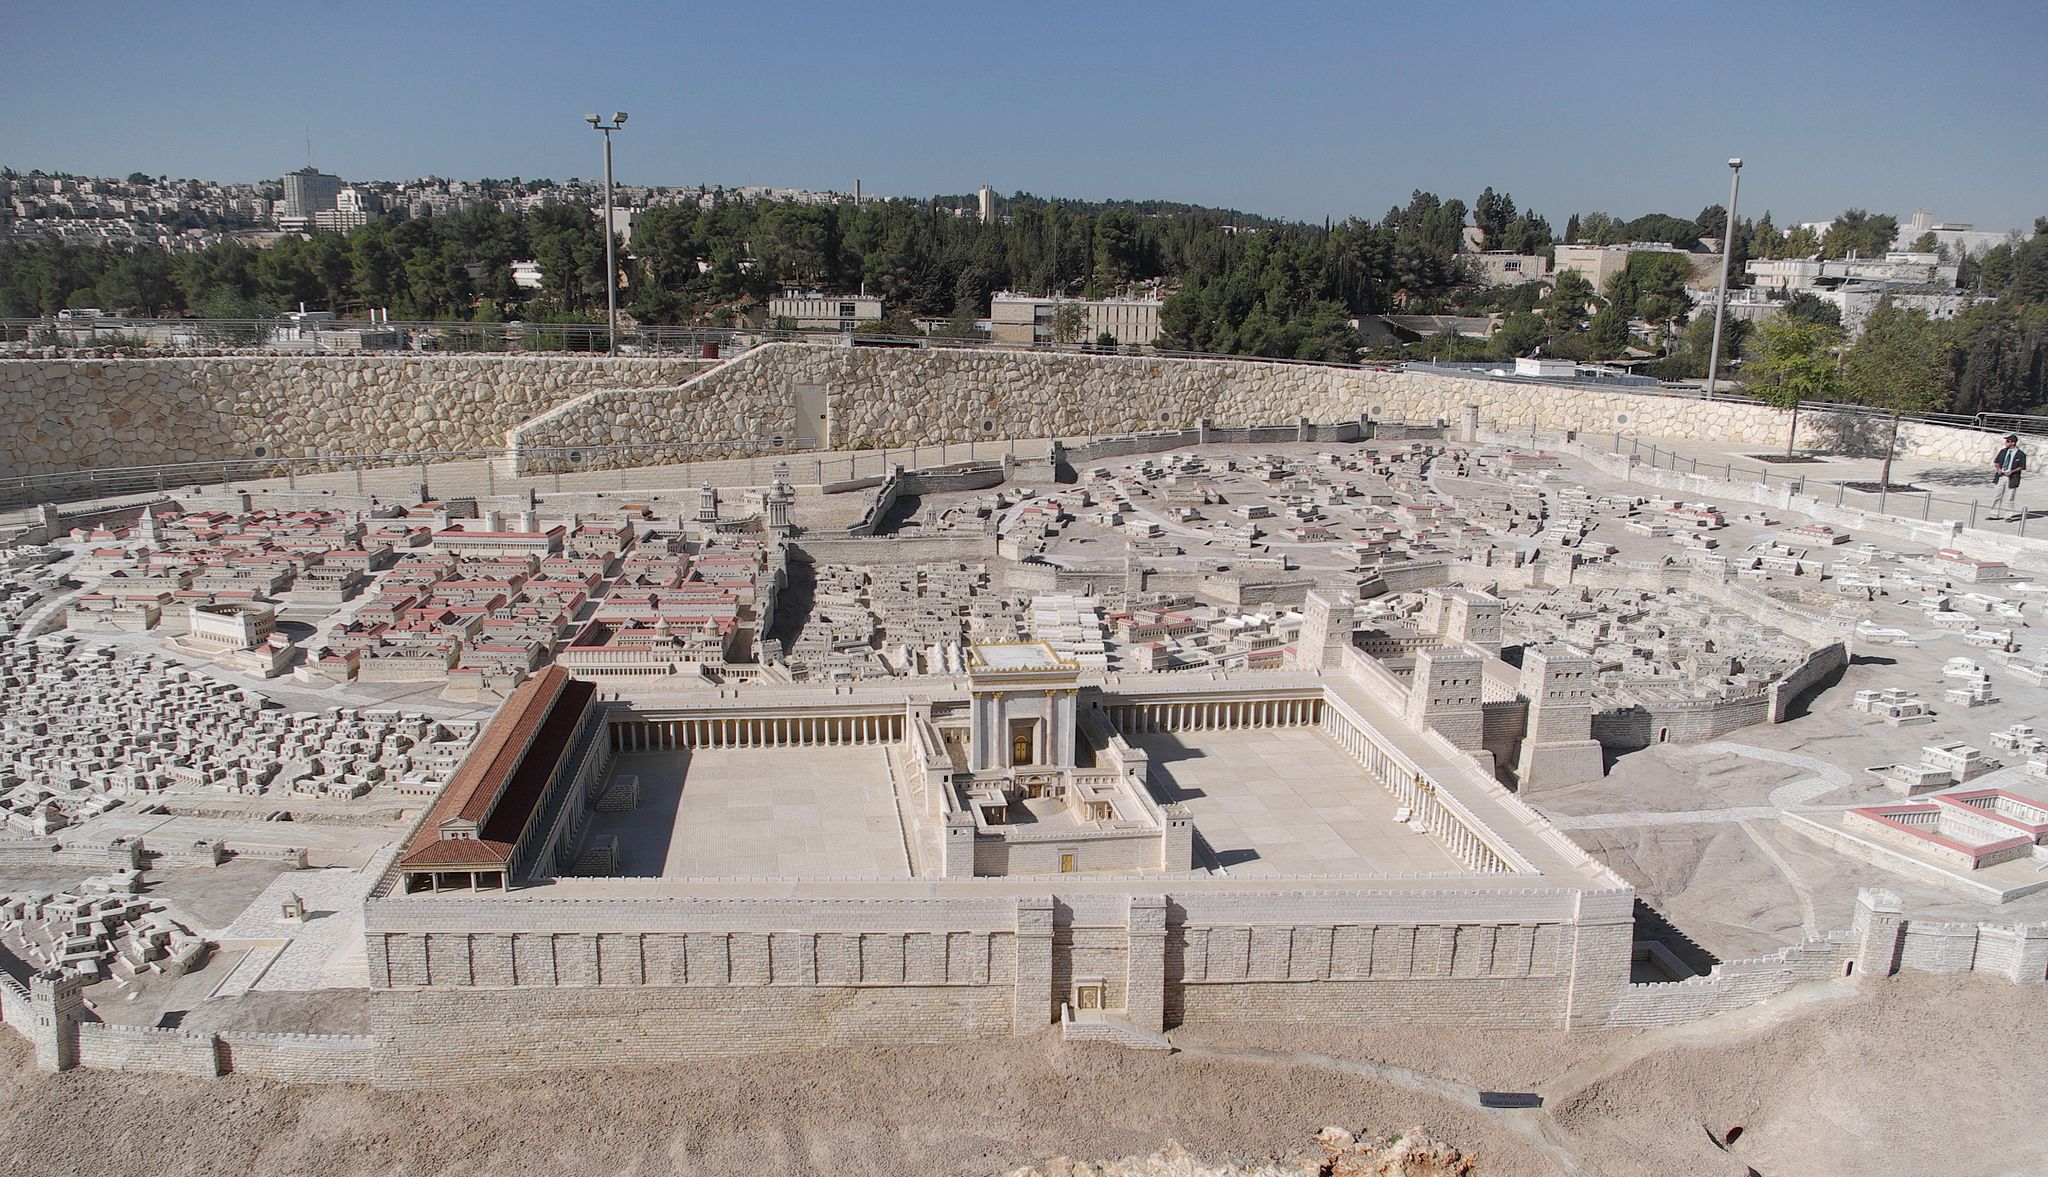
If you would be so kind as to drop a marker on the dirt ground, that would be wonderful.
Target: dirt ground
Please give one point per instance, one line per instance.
(1839, 1080)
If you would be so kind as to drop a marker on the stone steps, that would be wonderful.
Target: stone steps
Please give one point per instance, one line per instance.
(1106, 1026)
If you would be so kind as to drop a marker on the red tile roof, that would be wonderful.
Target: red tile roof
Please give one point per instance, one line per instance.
(500, 782)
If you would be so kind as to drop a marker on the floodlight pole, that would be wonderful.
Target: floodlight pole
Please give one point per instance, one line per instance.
(1727, 255)
(611, 266)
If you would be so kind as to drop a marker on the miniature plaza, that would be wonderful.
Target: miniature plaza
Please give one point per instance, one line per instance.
(1112, 743)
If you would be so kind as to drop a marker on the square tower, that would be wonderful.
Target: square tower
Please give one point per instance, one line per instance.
(1558, 747)
(1445, 696)
(1328, 620)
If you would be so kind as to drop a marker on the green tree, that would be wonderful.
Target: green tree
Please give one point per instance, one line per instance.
(1795, 360)
(1808, 307)
(1520, 334)
(1493, 214)
(1570, 295)
(1069, 321)
(1861, 233)
(1900, 364)
(2029, 283)
(1607, 334)
(1116, 253)
(2000, 358)
(1651, 286)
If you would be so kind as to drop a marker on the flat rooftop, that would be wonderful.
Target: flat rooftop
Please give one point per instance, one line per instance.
(1285, 801)
(758, 812)
(1018, 656)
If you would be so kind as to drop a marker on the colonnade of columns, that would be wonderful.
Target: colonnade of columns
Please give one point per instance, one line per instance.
(1413, 790)
(793, 731)
(1214, 715)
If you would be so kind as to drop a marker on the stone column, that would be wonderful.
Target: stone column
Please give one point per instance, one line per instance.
(1061, 754)
(2030, 956)
(1598, 940)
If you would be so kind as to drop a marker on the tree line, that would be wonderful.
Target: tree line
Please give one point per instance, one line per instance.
(1241, 284)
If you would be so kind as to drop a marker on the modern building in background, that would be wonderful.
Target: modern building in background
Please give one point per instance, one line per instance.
(1956, 237)
(307, 193)
(988, 205)
(1600, 263)
(353, 208)
(1793, 274)
(1029, 318)
(1496, 267)
(624, 221)
(809, 311)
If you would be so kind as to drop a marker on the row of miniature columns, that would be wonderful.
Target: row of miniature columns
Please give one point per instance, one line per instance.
(1215, 715)
(568, 827)
(796, 731)
(1406, 784)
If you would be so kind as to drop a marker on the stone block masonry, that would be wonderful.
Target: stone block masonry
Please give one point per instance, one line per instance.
(76, 414)
(297, 1058)
(881, 397)
(64, 415)
(464, 987)
(147, 1049)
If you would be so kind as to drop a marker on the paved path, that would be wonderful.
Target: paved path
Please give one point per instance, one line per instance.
(326, 951)
(1798, 794)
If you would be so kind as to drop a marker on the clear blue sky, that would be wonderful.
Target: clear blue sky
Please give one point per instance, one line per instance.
(1296, 110)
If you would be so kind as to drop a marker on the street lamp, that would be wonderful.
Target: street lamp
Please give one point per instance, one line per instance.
(611, 268)
(1727, 254)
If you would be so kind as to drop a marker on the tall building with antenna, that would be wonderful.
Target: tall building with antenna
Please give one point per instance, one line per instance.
(988, 205)
(308, 192)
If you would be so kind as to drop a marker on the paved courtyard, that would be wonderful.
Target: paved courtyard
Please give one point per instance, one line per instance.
(751, 813)
(1286, 801)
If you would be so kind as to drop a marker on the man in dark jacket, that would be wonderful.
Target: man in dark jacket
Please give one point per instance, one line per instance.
(2007, 467)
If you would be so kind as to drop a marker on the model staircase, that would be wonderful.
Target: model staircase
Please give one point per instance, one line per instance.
(1110, 1026)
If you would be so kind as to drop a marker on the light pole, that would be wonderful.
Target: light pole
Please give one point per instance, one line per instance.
(1727, 254)
(611, 267)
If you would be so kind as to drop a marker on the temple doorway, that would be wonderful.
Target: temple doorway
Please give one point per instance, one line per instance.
(1022, 733)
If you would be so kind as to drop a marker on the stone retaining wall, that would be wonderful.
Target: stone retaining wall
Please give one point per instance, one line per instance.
(63, 415)
(297, 1058)
(146, 1049)
(880, 397)
(1879, 943)
(73, 414)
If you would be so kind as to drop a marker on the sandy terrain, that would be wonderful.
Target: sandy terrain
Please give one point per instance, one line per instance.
(1829, 1080)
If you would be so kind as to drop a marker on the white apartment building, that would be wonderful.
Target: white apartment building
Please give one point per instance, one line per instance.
(353, 208)
(1029, 318)
(1792, 274)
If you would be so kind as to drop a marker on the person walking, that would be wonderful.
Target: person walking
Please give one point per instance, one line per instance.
(2007, 467)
